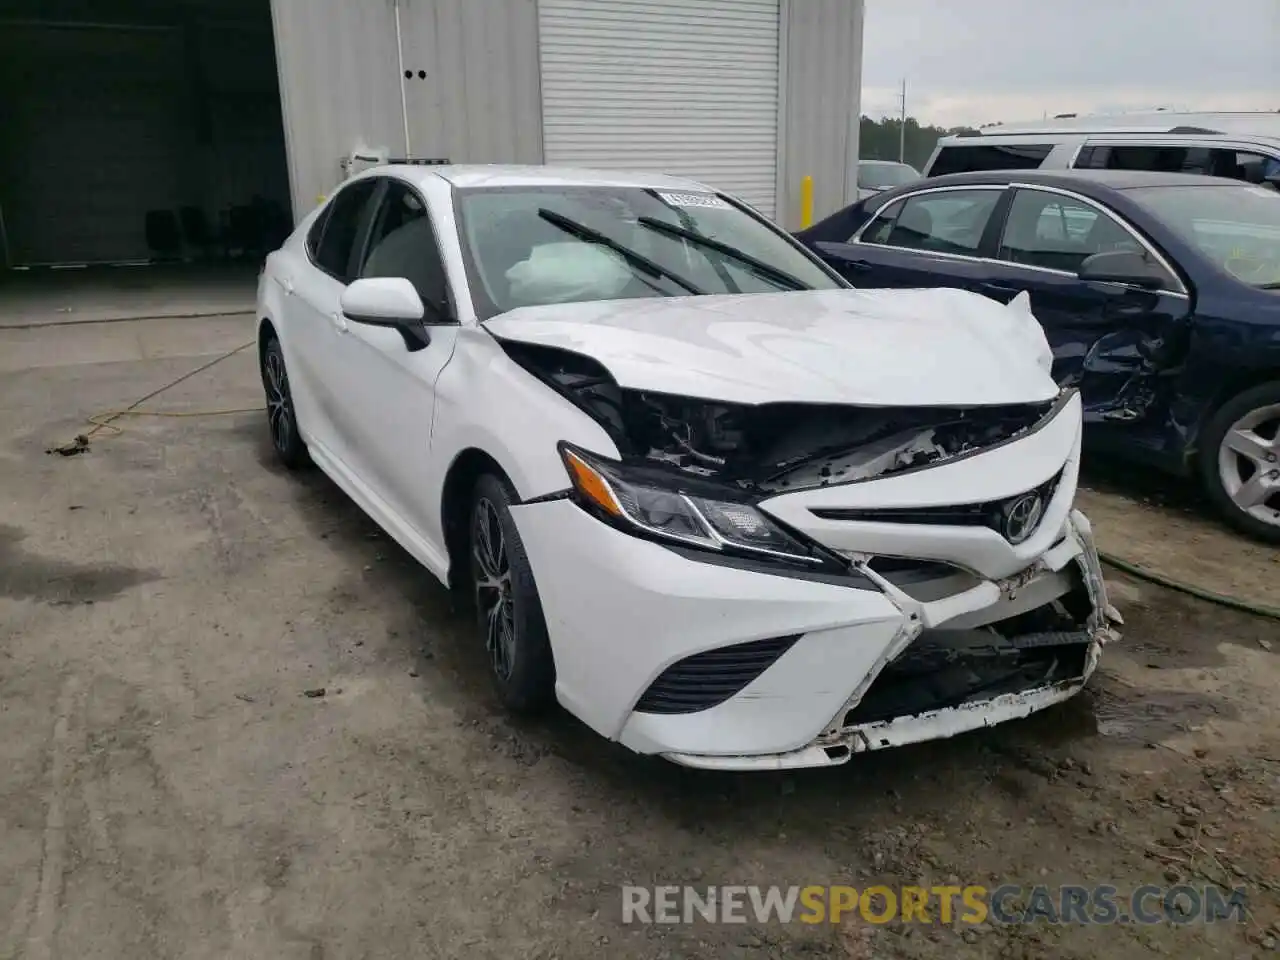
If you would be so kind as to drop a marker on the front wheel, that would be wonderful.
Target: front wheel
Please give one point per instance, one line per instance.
(508, 610)
(1240, 461)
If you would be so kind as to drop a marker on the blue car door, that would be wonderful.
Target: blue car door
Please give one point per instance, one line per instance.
(1100, 333)
(937, 237)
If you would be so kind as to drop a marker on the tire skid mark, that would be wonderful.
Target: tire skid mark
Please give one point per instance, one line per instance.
(40, 943)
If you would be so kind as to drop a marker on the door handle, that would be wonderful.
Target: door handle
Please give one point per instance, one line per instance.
(287, 283)
(860, 265)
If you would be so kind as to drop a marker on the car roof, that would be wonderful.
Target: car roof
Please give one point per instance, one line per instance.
(1100, 134)
(1069, 179)
(465, 176)
(1230, 124)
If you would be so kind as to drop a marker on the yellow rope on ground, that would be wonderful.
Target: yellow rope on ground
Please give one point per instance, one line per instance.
(106, 421)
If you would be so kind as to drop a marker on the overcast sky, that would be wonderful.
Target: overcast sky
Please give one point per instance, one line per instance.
(977, 61)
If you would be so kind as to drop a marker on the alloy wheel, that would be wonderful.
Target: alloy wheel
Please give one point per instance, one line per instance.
(493, 587)
(1249, 464)
(279, 404)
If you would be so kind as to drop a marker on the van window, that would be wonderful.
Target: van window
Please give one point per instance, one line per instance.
(1204, 160)
(981, 157)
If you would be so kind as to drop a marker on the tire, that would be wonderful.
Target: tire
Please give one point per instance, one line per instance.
(519, 652)
(1240, 461)
(282, 416)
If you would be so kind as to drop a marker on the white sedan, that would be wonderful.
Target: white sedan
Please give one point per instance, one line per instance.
(718, 504)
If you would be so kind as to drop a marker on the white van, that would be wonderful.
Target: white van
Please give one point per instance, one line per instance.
(1243, 146)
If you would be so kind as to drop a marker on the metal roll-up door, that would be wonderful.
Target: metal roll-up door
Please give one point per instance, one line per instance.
(669, 86)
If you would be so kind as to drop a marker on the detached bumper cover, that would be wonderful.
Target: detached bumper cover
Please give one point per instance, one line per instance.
(636, 625)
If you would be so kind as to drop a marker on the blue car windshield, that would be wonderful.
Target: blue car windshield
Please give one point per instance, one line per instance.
(1237, 226)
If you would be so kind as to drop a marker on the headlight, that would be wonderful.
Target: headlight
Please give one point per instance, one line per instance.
(664, 509)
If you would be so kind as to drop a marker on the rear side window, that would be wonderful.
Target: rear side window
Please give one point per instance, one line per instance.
(980, 157)
(317, 231)
(341, 229)
(946, 221)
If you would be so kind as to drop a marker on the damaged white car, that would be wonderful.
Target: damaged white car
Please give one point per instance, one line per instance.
(719, 505)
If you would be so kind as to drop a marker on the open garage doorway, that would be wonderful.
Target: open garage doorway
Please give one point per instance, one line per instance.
(140, 131)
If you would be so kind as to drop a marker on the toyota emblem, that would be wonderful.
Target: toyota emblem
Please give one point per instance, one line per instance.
(1022, 516)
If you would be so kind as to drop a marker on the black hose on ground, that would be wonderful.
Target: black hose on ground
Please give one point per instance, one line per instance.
(1258, 610)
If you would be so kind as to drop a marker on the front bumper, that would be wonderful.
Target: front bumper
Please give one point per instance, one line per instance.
(623, 612)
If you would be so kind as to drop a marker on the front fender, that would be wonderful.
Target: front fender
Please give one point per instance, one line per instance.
(514, 418)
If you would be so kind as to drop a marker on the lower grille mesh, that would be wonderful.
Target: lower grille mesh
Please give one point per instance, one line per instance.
(709, 678)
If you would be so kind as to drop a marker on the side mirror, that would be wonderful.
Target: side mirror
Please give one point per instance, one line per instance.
(387, 302)
(1121, 266)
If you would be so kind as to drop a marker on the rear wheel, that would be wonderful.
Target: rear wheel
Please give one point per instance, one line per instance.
(508, 610)
(1240, 461)
(282, 418)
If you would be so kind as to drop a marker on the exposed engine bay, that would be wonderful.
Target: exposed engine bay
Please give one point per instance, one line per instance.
(772, 448)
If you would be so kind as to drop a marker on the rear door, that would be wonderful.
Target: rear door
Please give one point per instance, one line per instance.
(1099, 332)
(934, 238)
(314, 324)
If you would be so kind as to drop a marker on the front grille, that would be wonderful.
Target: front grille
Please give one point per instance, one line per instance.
(992, 513)
(709, 678)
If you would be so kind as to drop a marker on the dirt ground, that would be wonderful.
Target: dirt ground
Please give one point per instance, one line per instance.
(169, 789)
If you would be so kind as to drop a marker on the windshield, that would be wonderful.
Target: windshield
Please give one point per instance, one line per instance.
(882, 176)
(1236, 226)
(531, 246)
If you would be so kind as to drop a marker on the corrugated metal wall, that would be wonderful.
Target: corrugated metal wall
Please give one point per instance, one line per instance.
(689, 89)
(473, 95)
(822, 93)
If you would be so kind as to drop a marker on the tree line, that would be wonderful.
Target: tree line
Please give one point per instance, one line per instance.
(878, 139)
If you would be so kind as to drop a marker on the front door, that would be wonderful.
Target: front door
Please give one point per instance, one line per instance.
(388, 385)
(1108, 339)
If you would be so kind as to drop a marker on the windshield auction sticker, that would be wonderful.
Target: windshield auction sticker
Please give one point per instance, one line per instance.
(692, 200)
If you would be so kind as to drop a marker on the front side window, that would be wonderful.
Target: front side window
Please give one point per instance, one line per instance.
(403, 244)
(1056, 232)
(1237, 226)
(945, 221)
(343, 220)
(530, 246)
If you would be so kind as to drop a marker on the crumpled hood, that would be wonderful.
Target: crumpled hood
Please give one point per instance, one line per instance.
(866, 347)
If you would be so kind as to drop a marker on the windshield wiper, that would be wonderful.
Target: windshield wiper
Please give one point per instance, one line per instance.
(1269, 286)
(637, 260)
(761, 269)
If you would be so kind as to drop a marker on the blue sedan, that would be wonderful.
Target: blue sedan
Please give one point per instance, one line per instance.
(1158, 292)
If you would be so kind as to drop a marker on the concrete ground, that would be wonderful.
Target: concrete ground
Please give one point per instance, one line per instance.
(98, 293)
(235, 721)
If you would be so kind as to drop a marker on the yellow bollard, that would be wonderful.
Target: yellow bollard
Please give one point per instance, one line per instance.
(806, 202)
